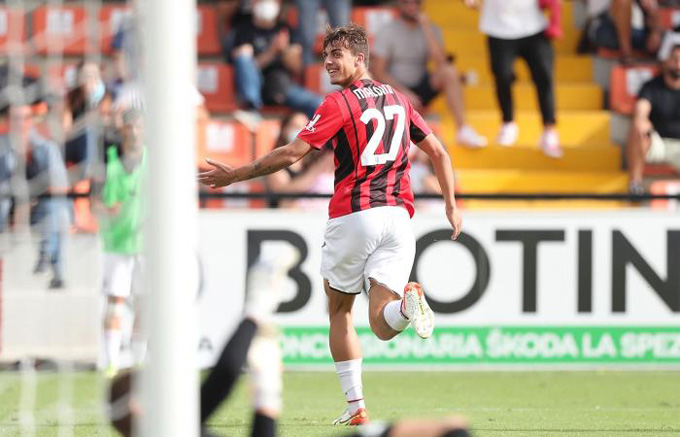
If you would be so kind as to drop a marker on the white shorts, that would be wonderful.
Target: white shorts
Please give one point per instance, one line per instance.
(664, 150)
(122, 274)
(377, 243)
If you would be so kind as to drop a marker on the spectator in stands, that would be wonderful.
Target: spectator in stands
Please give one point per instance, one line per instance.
(266, 62)
(338, 12)
(519, 28)
(655, 131)
(45, 174)
(401, 52)
(627, 25)
(309, 175)
(229, 12)
(81, 126)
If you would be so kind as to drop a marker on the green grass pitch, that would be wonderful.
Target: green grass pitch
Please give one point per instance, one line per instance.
(604, 403)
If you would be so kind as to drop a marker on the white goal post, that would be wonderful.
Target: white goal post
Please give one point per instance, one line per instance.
(170, 381)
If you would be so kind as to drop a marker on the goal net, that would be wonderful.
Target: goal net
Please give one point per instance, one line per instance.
(75, 211)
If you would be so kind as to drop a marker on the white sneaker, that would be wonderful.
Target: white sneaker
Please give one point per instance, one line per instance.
(508, 134)
(415, 308)
(266, 278)
(360, 417)
(550, 144)
(469, 137)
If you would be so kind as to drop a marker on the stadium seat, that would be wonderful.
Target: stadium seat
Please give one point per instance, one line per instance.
(665, 187)
(265, 137)
(110, 18)
(317, 80)
(625, 83)
(669, 18)
(226, 142)
(10, 17)
(60, 29)
(208, 38)
(216, 83)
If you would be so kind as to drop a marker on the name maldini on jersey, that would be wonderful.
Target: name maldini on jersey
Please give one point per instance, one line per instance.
(373, 91)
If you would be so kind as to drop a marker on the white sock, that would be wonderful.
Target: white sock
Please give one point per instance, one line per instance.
(349, 373)
(112, 341)
(394, 317)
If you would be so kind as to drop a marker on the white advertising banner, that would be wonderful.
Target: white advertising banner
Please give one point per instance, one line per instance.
(567, 287)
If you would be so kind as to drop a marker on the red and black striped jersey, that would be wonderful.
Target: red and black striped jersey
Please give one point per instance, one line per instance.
(370, 127)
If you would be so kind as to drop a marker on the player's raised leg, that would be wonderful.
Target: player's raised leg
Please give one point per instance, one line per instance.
(346, 352)
(389, 314)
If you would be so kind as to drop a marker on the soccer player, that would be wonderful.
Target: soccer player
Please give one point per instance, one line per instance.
(122, 235)
(368, 243)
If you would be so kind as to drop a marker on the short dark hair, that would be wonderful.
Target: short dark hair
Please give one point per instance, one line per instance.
(352, 37)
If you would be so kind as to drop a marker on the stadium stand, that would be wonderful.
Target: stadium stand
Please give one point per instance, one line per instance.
(592, 162)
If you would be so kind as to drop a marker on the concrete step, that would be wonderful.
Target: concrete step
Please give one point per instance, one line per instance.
(576, 128)
(521, 157)
(523, 181)
(571, 96)
(567, 69)
(471, 42)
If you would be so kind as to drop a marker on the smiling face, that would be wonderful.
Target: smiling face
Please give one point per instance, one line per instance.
(345, 54)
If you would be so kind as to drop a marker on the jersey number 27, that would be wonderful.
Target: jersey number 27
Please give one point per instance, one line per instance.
(369, 157)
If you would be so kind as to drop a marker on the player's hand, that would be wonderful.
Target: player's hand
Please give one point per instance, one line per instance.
(472, 3)
(456, 219)
(221, 175)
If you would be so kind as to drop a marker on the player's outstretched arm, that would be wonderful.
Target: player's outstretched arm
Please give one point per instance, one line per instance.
(223, 175)
(442, 169)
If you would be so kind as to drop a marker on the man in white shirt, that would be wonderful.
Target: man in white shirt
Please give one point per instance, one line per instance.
(516, 28)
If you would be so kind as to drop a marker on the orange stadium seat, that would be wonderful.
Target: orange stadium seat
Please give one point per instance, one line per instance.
(669, 18)
(60, 29)
(216, 83)
(265, 137)
(665, 187)
(110, 18)
(625, 83)
(8, 18)
(226, 142)
(208, 38)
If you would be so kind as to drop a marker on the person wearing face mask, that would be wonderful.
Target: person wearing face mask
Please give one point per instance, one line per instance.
(80, 118)
(266, 61)
(401, 53)
(654, 135)
(302, 176)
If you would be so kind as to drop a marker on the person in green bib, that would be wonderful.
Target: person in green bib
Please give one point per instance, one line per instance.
(121, 232)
